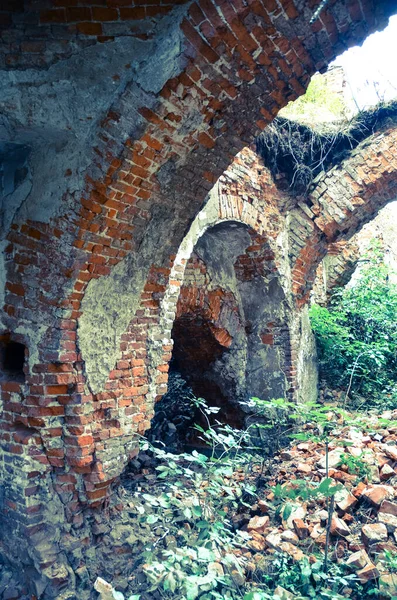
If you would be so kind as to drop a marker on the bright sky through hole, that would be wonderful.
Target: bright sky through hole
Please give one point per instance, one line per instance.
(371, 69)
(371, 72)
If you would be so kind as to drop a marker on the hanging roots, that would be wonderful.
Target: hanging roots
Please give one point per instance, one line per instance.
(299, 152)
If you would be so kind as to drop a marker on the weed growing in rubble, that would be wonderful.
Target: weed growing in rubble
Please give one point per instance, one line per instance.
(197, 548)
(201, 492)
(306, 580)
(389, 561)
(298, 489)
(357, 466)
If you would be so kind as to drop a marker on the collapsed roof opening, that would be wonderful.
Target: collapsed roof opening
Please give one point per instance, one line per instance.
(297, 152)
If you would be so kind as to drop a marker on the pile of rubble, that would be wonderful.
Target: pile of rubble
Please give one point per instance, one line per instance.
(364, 519)
(174, 415)
(361, 461)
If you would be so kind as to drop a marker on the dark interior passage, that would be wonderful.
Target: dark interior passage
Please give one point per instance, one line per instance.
(230, 338)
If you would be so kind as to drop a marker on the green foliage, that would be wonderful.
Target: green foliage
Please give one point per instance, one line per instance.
(389, 560)
(357, 466)
(279, 419)
(196, 552)
(304, 580)
(298, 489)
(270, 422)
(357, 335)
(318, 104)
(187, 573)
(198, 561)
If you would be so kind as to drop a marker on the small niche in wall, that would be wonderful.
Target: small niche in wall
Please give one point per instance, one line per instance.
(12, 359)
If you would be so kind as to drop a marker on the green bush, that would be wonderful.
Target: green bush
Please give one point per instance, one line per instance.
(357, 335)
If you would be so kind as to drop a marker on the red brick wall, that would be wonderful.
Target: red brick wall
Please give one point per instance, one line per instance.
(38, 33)
(239, 71)
(343, 200)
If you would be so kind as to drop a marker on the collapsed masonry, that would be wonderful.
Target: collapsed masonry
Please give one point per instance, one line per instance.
(136, 216)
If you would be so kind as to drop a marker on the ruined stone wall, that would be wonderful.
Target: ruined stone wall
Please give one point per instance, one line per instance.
(343, 258)
(38, 34)
(342, 201)
(244, 196)
(231, 337)
(115, 132)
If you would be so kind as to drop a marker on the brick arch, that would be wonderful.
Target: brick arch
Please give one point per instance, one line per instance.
(155, 155)
(112, 218)
(343, 201)
(343, 257)
(223, 208)
(224, 56)
(336, 269)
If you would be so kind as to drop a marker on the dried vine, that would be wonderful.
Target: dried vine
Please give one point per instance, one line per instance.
(299, 152)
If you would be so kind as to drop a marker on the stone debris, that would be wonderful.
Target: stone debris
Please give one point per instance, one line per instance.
(237, 577)
(358, 560)
(301, 528)
(258, 524)
(282, 594)
(304, 468)
(389, 508)
(263, 506)
(390, 451)
(389, 520)
(386, 472)
(274, 540)
(334, 459)
(344, 500)
(367, 573)
(376, 494)
(388, 584)
(364, 520)
(290, 536)
(106, 590)
(374, 533)
(339, 527)
(298, 511)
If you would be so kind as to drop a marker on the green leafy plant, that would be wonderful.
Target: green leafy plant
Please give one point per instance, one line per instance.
(304, 580)
(357, 335)
(357, 466)
(201, 494)
(195, 550)
(389, 560)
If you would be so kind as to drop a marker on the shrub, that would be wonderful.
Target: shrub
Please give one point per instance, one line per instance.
(357, 334)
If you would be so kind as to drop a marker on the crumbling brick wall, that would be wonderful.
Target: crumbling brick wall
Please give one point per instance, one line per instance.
(108, 162)
(342, 201)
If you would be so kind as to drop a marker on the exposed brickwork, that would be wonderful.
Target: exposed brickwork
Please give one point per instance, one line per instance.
(341, 261)
(34, 426)
(344, 257)
(241, 62)
(343, 200)
(202, 333)
(36, 34)
(214, 316)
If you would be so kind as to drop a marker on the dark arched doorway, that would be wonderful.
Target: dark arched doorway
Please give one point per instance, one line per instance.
(230, 333)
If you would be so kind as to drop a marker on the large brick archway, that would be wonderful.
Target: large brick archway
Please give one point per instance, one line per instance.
(343, 200)
(89, 246)
(227, 252)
